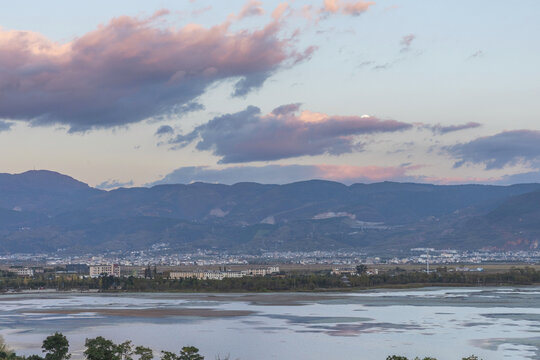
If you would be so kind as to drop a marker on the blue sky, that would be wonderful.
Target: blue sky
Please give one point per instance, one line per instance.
(459, 81)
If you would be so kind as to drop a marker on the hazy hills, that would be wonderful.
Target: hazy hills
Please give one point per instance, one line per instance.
(45, 211)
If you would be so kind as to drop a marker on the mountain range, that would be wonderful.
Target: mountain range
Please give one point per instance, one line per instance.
(43, 211)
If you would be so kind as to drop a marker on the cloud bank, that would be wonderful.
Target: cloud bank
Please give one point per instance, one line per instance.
(497, 151)
(283, 174)
(285, 133)
(132, 69)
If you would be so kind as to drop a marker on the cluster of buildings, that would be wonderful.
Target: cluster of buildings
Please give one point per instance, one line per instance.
(93, 271)
(222, 274)
(449, 256)
(352, 271)
(161, 255)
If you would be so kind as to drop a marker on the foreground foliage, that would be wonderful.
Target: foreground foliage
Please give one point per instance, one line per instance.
(56, 347)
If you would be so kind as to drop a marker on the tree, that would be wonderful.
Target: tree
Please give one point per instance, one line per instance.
(101, 349)
(472, 357)
(396, 357)
(56, 347)
(167, 355)
(125, 350)
(190, 353)
(144, 353)
(148, 273)
(360, 269)
(187, 353)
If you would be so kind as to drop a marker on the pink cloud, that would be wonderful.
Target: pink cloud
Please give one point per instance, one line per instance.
(346, 7)
(280, 10)
(130, 69)
(251, 8)
(346, 173)
(406, 42)
(282, 174)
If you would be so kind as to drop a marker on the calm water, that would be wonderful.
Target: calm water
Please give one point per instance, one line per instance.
(502, 323)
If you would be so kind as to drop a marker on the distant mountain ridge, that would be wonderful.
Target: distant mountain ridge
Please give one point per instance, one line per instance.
(45, 211)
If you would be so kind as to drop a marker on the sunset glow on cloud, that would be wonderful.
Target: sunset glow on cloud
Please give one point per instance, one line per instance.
(249, 136)
(137, 93)
(347, 7)
(130, 69)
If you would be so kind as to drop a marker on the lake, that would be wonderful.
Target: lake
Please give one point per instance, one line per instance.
(446, 323)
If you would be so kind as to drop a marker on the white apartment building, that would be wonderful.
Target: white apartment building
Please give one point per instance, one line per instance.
(220, 275)
(107, 270)
(22, 271)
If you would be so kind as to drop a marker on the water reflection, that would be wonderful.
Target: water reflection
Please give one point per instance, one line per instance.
(446, 323)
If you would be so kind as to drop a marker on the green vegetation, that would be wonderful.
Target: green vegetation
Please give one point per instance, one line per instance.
(314, 281)
(56, 347)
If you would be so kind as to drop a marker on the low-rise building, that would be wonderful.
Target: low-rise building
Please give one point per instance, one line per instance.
(220, 275)
(22, 271)
(344, 271)
(105, 270)
(78, 269)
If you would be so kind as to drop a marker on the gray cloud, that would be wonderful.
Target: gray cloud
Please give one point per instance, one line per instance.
(283, 174)
(406, 42)
(476, 54)
(164, 130)
(442, 129)
(286, 109)
(520, 178)
(113, 184)
(275, 174)
(500, 150)
(5, 125)
(131, 69)
(249, 136)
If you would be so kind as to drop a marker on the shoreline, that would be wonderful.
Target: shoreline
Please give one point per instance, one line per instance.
(299, 291)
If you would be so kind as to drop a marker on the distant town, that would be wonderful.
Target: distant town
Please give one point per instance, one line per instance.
(214, 265)
(161, 255)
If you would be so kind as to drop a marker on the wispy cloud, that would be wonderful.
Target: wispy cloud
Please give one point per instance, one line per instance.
(354, 8)
(251, 8)
(406, 42)
(476, 54)
(444, 129)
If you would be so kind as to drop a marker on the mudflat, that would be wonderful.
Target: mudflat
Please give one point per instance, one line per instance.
(150, 313)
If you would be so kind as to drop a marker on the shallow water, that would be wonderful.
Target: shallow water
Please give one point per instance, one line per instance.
(447, 323)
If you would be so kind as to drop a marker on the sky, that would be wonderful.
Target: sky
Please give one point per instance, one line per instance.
(138, 93)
